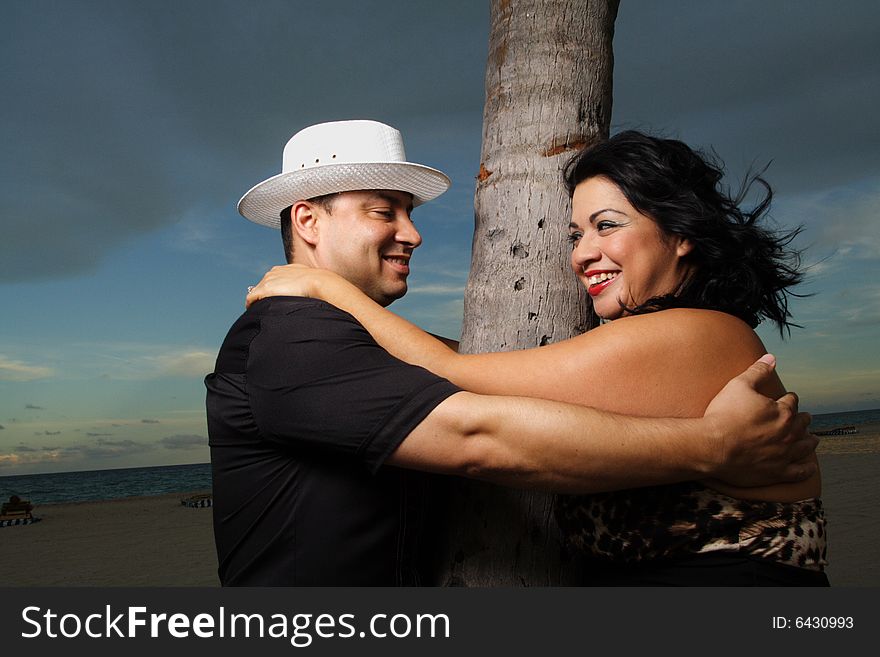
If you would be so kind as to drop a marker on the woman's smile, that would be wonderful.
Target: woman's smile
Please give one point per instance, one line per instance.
(599, 281)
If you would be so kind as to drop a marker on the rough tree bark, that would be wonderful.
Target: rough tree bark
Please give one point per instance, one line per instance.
(548, 93)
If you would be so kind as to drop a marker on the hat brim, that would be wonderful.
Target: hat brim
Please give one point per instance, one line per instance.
(264, 202)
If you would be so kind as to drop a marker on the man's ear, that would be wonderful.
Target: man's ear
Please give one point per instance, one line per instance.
(304, 218)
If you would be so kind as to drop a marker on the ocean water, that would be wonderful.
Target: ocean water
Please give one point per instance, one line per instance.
(106, 484)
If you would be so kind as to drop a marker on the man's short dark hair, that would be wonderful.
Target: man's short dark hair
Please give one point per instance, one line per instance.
(325, 201)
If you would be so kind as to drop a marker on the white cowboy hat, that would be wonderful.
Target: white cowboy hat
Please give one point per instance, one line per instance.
(340, 156)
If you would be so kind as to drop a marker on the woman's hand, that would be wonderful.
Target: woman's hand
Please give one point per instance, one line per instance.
(293, 281)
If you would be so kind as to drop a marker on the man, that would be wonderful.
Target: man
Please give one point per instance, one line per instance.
(315, 430)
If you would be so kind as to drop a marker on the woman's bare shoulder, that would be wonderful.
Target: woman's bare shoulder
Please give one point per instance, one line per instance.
(700, 346)
(661, 364)
(684, 327)
(683, 318)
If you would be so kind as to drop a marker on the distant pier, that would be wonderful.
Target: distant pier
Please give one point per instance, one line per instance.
(839, 431)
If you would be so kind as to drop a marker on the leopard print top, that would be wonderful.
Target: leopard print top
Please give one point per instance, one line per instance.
(665, 522)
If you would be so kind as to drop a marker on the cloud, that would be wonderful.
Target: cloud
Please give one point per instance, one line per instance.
(183, 441)
(186, 363)
(131, 104)
(129, 122)
(841, 223)
(794, 87)
(16, 370)
(120, 444)
(843, 307)
(199, 233)
(136, 361)
(91, 453)
(112, 449)
(34, 407)
(866, 313)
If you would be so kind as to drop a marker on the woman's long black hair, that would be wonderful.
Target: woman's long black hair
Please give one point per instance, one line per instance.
(740, 268)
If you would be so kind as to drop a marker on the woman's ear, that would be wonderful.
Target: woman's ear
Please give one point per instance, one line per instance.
(683, 246)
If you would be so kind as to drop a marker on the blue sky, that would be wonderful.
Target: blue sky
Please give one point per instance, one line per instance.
(131, 129)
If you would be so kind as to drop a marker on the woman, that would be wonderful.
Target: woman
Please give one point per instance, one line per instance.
(685, 275)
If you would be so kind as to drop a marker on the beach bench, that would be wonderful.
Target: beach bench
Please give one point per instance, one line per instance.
(16, 512)
(17, 507)
(201, 500)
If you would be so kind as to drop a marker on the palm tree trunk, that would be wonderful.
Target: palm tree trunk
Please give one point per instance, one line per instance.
(548, 93)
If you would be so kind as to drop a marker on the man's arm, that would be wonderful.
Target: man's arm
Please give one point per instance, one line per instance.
(531, 443)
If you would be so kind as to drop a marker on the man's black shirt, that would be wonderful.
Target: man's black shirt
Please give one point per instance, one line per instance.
(303, 409)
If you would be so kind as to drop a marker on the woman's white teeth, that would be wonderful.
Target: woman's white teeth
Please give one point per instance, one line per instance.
(604, 276)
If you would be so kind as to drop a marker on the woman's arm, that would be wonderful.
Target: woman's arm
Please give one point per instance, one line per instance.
(664, 364)
(399, 337)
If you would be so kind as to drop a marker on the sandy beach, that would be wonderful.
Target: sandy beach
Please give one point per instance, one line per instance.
(851, 494)
(155, 541)
(135, 541)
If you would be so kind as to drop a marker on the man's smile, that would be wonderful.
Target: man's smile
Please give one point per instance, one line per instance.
(398, 262)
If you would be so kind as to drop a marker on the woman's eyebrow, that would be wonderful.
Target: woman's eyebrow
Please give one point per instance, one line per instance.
(595, 215)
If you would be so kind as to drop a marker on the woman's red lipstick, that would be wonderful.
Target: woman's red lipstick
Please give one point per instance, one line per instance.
(597, 288)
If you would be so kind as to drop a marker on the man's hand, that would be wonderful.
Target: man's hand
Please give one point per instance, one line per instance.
(760, 441)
